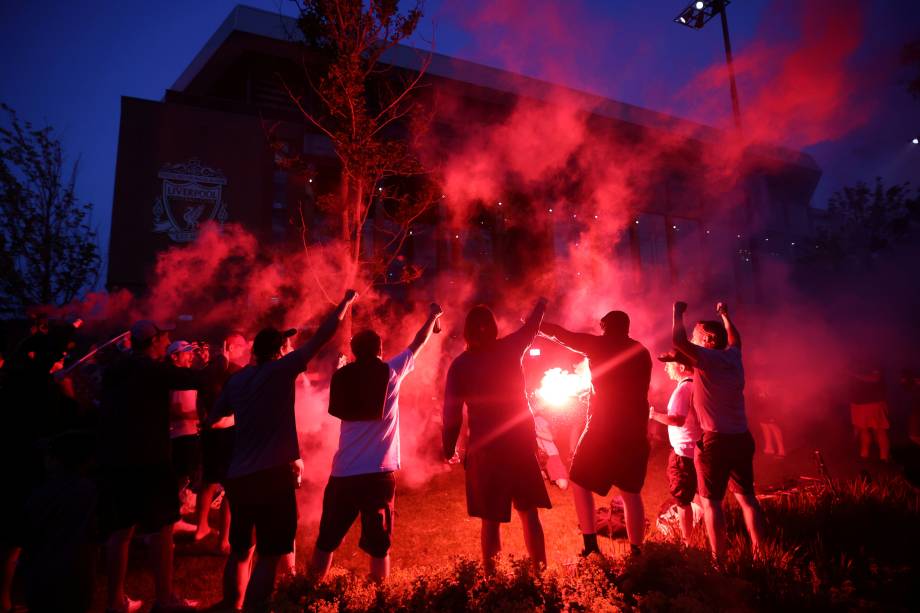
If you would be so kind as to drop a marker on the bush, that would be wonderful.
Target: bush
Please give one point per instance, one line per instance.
(833, 546)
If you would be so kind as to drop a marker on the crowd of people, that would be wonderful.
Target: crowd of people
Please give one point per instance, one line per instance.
(173, 413)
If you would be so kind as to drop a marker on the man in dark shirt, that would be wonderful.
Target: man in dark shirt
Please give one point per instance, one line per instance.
(138, 489)
(501, 459)
(614, 448)
(266, 466)
(217, 439)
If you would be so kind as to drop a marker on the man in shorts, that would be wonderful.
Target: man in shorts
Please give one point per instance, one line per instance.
(183, 429)
(613, 449)
(217, 439)
(501, 457)
(266, 467)
(137, 483)
(365, 396)
(869, 411)
(683, 432)
(725, 453)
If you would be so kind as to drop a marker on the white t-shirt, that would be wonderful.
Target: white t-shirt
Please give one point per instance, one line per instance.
(183, 413)
(373, 446)
(683, 438)
(718, 390)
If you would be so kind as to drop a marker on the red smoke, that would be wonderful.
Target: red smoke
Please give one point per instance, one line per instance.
(583, 185)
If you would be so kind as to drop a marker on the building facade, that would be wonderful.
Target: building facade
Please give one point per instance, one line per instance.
(202, 154)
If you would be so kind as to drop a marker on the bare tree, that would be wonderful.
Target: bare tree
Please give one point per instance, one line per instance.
(370, 112)
(48, 251)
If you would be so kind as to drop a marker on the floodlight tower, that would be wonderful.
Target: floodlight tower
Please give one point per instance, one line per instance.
(696, 15)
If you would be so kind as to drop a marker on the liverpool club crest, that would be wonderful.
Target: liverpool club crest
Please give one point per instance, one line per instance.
(191, 195)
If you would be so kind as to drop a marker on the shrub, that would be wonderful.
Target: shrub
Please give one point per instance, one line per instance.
(842, 545)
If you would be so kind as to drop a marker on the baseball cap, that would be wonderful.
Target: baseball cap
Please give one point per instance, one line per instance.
(179, 347)
(144, 330)
(268, 342)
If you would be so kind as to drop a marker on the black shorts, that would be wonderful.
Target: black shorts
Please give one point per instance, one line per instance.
(142, 496)
(370, 495)
(723, 459)
(603, 459)
(496, 481)
(186, 458)
(216, 453)
(681, 478)
(263, 502)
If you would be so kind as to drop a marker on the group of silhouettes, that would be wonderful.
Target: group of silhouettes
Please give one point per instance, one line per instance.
(235, 412)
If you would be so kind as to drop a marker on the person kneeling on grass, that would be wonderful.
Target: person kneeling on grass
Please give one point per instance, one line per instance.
(501, 459)
(726, 451)
(365, 396)
(683, 432)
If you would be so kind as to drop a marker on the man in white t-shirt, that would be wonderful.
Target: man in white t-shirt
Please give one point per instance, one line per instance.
(725, 455)
(364, 394)
(683, 432)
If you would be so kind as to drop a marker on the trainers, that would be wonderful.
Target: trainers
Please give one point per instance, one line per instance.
(175, 604)
(127, 606)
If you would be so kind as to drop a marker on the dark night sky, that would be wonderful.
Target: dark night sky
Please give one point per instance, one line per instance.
(68, 63)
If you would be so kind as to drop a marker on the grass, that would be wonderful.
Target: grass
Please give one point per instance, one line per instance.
(847, 547)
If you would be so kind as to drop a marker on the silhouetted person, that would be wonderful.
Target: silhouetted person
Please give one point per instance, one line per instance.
(266, 468)
(217, 439)
(365, 396)
(137, 483)
(501, 458)
(613, 449)
(725, 454)
(59, 530)
(869, 411)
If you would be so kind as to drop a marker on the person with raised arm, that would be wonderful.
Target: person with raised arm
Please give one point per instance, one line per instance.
(613, 449)
(501, 457)
(725, 453)
(364, 394)
(265, 468)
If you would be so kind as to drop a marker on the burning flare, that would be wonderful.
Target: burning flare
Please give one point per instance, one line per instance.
(559, 388)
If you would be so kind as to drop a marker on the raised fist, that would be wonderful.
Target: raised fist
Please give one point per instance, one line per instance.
(722, 308)
(680, 308)
(435, 309)
(350, 295)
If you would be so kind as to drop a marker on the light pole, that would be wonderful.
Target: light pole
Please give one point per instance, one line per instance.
(696, 15)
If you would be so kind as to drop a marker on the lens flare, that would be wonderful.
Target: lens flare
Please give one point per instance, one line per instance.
(559, 388)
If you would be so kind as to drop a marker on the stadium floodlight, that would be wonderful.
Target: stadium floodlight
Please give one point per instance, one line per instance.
(696, 15)
(916, 141)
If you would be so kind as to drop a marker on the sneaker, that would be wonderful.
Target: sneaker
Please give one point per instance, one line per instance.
(127, 606)
(175, 604)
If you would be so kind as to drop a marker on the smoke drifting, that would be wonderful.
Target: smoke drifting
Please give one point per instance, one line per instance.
(550, 168)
